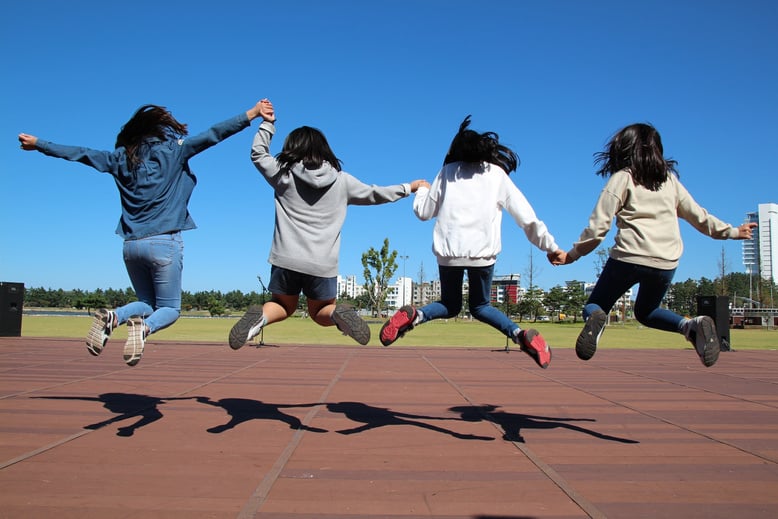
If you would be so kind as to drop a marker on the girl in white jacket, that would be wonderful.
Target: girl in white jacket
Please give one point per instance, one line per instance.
(467, 199)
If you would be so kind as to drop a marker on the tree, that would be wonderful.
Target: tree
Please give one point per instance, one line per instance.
(531, 302)
(555, 299)
(380, 266)
(681, 298)
(721, 282)
(216, 307)
(576, 298)
(421, 284)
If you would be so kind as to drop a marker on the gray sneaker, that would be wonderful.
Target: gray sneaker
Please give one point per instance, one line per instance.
(348, 321)
(701, 331)
(102, 326)
(586, 344)
(136, 341)
(247, 328)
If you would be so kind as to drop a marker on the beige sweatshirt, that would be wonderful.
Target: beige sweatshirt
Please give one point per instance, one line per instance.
(647, 221)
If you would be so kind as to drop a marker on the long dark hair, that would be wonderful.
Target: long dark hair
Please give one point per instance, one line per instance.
(637, 148)
(309, 146)
(471, 146)
(148, 121)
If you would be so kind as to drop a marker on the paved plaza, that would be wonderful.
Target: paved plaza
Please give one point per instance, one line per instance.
(281, 431)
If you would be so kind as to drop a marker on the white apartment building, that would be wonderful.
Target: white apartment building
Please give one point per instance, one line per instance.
(350, 286)
(759, 253)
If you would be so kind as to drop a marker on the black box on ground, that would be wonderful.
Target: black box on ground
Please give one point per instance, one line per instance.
(11, 305)
(717, 308)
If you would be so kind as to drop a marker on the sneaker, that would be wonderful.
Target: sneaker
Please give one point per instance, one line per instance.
(247, 328)
(532, 343)
(397, 325)
(348, 321)
(102, 326)
(586, 344)
(136, 341)
(701, 331)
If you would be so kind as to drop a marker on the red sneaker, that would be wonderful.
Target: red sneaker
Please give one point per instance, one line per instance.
(397, 325)
(534, 345)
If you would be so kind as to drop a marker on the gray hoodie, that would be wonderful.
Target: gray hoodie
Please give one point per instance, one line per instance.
(311, 208)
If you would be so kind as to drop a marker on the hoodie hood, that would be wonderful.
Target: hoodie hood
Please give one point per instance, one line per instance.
(318, 178)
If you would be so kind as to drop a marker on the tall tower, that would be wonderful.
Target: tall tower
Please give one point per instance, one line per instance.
(760, 254)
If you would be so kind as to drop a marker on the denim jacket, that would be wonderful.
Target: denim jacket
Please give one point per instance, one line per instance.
(154, 196)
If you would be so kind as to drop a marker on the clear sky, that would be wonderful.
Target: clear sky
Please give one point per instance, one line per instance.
(388, 83)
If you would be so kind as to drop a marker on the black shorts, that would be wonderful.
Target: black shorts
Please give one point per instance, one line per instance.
(290, 283)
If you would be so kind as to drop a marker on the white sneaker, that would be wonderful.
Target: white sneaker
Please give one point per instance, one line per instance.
(136, 341)
(102, 326)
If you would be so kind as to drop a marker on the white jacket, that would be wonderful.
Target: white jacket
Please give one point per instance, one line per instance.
(467, 199)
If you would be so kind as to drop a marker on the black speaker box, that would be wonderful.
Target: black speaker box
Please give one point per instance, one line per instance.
(717, 308)
(11, 305)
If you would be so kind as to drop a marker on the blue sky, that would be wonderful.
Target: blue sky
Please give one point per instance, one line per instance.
(388, 83)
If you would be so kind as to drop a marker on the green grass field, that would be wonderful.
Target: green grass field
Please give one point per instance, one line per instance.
(450, 332)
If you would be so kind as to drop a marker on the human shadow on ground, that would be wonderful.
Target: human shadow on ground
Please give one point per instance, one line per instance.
(244, 409)
(374, 417)
(513, 423)
(125, 406)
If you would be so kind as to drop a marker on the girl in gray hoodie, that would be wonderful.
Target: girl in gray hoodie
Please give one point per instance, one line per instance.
(311, 197)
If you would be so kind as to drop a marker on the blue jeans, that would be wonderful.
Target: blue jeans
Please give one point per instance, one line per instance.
(155, 265)
(617, 277)
(480, 279)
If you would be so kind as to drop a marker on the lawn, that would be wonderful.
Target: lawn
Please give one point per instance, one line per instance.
(462, 333)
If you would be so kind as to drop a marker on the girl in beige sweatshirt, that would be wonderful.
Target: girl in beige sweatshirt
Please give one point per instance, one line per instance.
(646, 198)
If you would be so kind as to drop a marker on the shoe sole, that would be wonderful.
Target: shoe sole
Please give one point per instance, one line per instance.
(96, 338)
(410, 314)
(586, 344)
(351, 324)
(527, 347)
(240, 332)
(133, 348)
(706, 330)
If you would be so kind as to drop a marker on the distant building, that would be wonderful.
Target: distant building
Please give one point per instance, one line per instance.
(760, 253)
(426, 292)
(350, 287)
(506, 288)
(400, 293)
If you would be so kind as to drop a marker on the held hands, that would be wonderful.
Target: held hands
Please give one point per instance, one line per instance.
(27, 141)
(263, 109)
(267, 111)
(746, 231)
(559, 257)
(416, 184)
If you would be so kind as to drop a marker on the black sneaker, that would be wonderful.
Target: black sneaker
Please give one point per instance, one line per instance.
(247, 328)
(397, 325)
(701, 331)
(348, 321)
(586, 344)
(100, 331)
